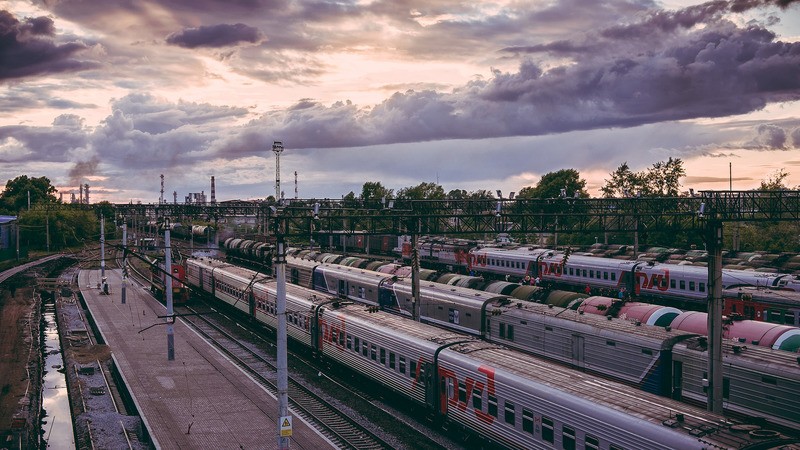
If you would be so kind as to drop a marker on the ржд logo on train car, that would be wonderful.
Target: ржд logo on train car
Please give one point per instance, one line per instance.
(332, 333)
(471, 260)
(449, 395)
(555, 269)
(656, 280)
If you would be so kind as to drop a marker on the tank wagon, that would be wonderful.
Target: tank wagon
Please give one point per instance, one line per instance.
(509, 398)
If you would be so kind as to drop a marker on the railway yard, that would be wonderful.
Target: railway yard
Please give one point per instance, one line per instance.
(349, 403)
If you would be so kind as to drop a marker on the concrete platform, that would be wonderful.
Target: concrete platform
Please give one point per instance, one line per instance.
(198, 400)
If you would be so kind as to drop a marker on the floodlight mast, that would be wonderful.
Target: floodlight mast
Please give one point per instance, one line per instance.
(277, 148)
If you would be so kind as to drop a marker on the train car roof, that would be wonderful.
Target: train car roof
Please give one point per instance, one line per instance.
(762, 359)
(620, 329)
(657, 410)
(353, 312)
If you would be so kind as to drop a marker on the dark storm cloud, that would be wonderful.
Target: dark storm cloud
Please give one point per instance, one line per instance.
(222, 35)
(27, 48)
(769, 137)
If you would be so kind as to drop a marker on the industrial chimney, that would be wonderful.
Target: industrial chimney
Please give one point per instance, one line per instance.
(86, 189)
(213, 191)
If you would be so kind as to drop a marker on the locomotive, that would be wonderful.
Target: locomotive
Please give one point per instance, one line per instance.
(507, 397)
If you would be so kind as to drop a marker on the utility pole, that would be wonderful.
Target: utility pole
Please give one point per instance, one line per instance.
(102, 247)
(168, 293)
(124, 260)
(714, 243)
(284, 432)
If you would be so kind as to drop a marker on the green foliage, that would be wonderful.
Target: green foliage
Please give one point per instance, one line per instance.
(66, 228)
(422, 191)
(661, 180)
(552, 183)
(15, 196)
(374, 190)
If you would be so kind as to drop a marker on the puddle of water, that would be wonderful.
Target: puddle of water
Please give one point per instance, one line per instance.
(57, 421)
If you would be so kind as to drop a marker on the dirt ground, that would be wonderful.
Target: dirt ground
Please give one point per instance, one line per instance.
(19, 354)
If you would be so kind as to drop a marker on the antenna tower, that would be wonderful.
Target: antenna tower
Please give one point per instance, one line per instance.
(295, 185)
(161, 198)
(277, 148)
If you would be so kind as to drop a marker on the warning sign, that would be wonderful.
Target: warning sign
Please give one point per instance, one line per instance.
(286, 426)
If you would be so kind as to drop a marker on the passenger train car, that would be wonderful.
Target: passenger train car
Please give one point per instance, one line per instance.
(680, 285)
(631, 349)
(508, 398)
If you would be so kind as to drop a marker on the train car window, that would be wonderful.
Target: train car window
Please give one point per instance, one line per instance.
(613, 276)
(477, 399)
(571, 271)
(383, 356)
(356, 346)
(568, 438)
(769, 380)
(605, 275)
(493, 406)
(502, 330)
(365, 349)
(591, 274)
(401, 364)
(683, 284)
(527, 421)
(647, 351)
(511, 332)
(701, 287)
(412, 368)
(391, 360)
(611, 343)
(361, 292)
(349, 342)
(373, 352)
(509, 414)
(691, 285)
(462, 393)
(584, 273)
(776, 316)
(591, 443)
(547, 429)
(672, 284)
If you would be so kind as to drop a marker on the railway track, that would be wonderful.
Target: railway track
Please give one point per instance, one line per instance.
(329, 420)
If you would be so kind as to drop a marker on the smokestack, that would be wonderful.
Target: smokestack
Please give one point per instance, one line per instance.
(61, 197)
(72, 200)
(175, 197)
(80, 198)
(86, 188)
(161, 198)
(213, 191)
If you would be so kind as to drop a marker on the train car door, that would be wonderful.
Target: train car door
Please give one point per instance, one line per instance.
(677, 379)
(251, 302)
(578, 351)
(431, 391)
(342, 289)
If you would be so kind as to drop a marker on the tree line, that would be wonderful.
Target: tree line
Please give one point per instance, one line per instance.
(69, 227)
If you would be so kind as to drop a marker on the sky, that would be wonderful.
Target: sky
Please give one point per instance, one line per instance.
(469, 95)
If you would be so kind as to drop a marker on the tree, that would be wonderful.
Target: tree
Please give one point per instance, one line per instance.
(374, 190)
(422, 191)
(775, 182)
(15, 196)
(662, 179)
(552, 184)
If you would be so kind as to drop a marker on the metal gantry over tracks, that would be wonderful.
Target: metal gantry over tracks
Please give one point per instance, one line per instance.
(702, 213)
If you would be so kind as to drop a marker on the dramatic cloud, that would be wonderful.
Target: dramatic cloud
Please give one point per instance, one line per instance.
(223, 35)
(27, 48)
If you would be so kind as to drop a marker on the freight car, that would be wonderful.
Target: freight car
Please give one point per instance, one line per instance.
(508, 398)
(629, 351)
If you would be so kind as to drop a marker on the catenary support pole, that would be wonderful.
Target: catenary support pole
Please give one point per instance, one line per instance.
(124, 261)
(714, 245)
(283, 382)
(102, 247)
(168, 294)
